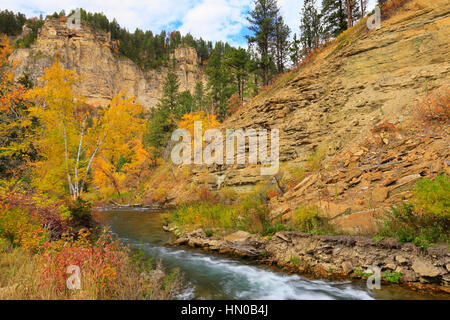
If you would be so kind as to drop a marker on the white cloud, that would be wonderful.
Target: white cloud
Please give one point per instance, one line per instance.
(144, 14)
(217, 20)
(210, 19)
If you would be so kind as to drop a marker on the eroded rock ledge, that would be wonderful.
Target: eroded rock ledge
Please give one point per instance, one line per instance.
(333, 256)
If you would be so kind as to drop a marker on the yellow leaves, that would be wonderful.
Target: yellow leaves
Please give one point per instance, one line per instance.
(122, 115)
(73, 136)
(56, 97)
(5, 49)
(209, 121)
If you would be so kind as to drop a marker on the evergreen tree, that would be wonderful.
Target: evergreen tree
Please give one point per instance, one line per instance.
(262, 21)
(363, 7)
(161, 123)
(353, 12)
(295, 51)
(281, 43)
(238, 61)
(220, 79)
(158, 132)
(310, 26)
(199, 97)
(169, 100)
(334, 18)
(11, 24)
(185, 103)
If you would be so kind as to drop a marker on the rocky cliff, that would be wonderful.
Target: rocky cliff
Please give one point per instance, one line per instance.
(92, 54)
(354, 101)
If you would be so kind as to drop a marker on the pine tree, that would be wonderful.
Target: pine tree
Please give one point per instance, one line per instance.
(281, 43)
(348, 8)
(262, 23)
(353, 12)
(169, 100)
(363, 7)
(310, 26)
(199, 97)
(158, 132)
(220, 79)
(161, 122)
(238, 61)
(334, 18)
(294, 50)
(185, 103)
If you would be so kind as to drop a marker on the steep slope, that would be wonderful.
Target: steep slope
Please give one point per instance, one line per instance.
(362, 81)
(104, 73)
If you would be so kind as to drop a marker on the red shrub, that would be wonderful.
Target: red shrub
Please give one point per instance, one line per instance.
(99, 262)
(435, 106)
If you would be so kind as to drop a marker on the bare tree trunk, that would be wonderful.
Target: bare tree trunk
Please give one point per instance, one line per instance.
(99, 143)
(349, 13)
(69, 180)
(277, 180)
(77, 190)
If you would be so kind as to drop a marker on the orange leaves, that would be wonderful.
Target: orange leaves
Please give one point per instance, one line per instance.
(234, 103)
(385, 126)
(122, 116)
(56, 97)
(390, 6)
(5, 49)
(209, 121)
(21, 228)
(121, 120)
(435, 106)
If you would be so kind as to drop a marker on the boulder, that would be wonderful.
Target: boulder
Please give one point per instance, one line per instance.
(238, 236)
(425, 269)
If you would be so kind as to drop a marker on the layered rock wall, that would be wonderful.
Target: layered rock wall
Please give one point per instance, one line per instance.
(103, 72)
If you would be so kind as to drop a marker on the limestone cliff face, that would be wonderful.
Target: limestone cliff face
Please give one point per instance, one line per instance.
(104, 73)
(188, 70)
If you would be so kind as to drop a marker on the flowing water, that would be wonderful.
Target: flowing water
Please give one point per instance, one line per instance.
(211, 276)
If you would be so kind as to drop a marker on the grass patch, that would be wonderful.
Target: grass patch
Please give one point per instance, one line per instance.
(295, 260)
(392, 276)
(432, 197)
(309, 219)
(425, 220)
(315, 159)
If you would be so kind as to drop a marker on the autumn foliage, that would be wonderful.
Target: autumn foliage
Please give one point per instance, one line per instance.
(54, 149)
(435, 106)
(208, 120)
(391, 6)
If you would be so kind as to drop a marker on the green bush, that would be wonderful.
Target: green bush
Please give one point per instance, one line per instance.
(81, 212)
(403, 223)
(392, 276)
(205, 215)
(433, 196)
(308, 219)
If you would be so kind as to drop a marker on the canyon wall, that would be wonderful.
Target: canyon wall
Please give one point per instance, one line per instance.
(103, 71)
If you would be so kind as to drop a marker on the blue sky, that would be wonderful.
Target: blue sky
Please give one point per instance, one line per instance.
(210, 19)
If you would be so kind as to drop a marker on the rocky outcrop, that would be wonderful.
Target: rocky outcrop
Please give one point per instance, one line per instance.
(334, 256)
(353, 84)
(355, 102)
(365, 180)
(103, 71)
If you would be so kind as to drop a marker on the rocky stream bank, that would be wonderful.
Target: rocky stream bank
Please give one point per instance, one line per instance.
(333, 257)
